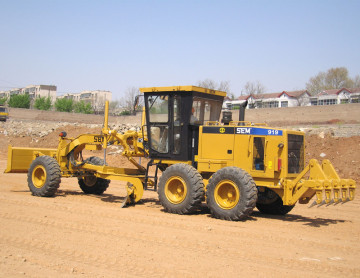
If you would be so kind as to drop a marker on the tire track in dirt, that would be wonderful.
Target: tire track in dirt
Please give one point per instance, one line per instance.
(71, 255)
(163, 221)
(155, 240)
(158, 219)
(277, 245)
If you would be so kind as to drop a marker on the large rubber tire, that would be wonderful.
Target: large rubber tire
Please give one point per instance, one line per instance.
(91, 184)
(270, 203)
(181, 189)
(231, 194)
(44, 176)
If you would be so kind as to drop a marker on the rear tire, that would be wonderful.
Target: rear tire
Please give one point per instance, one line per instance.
(90, 184)
(231, 194)
(44, 176)
(181, 189)
(271, 203)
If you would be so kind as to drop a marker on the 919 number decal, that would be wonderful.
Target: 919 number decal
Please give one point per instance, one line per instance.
(273, 132)
(98, 139)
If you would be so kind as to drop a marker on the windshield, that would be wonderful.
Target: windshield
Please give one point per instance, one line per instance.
(158, 107)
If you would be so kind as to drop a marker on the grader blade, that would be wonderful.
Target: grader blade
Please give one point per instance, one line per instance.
(125, 201)
(130, 196)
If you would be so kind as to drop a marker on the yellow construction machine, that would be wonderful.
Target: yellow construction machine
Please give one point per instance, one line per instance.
(4, 113)
(232, 166)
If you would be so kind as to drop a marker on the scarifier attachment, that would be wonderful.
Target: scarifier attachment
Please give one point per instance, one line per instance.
(322, 182)
(334, 194)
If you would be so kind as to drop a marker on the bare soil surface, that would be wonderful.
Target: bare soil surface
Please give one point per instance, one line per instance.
(78, 235)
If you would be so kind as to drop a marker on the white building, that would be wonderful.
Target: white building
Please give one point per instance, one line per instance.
(272, 100)
(337, 96)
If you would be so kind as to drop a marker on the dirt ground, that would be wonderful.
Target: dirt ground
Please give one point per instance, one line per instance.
(77, 235)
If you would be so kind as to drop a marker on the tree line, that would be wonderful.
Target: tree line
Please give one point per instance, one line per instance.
(44, 103)
(334, 78)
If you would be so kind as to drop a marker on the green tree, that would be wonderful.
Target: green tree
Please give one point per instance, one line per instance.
(64, 105)
(42, 103)
(83, 107)
(3, 100)
(334, 78)
(20, 101)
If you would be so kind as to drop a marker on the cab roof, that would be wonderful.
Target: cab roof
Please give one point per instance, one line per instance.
(183, 89)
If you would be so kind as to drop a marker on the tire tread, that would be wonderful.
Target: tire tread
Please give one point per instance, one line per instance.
(195, 189)
(241, 211)
(53, 179)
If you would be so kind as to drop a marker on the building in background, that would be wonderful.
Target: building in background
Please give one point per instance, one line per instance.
(336, 96)
(33, 91)
(272, 100)
(96, 98)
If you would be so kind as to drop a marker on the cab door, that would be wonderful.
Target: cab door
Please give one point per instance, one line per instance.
(166, 132)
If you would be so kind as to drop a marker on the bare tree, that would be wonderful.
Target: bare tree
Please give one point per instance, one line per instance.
(337, 78)
(334, 78)
(356, 81)
(208, 83)
(114, 106)
(213, 85)
(253, 88)
(127, 102)
(224, 86)
(317, 83)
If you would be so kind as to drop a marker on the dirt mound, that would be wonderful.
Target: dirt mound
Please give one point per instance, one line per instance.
(343, 152)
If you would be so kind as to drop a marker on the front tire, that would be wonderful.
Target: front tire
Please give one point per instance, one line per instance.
(270, 203)
(181, 189)
(231, 194)
(44, 176)
(90, 184)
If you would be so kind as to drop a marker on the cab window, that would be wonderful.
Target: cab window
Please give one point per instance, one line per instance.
(204, 110)
(158, 107)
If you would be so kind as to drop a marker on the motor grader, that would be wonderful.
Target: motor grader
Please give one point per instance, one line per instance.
(232, 166)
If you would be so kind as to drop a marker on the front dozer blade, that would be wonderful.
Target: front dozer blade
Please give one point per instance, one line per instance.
(19, 159)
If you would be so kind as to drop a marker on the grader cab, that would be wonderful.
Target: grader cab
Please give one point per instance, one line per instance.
(233, 167)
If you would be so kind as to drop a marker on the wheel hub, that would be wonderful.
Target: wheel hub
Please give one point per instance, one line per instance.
(39, 176)
(175, 190)
(90, 180)
(226, 194)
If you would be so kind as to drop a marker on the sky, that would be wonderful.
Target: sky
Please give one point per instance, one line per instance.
(118, 45)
